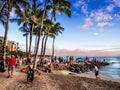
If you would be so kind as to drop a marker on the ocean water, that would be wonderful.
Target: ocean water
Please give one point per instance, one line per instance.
(112, 70)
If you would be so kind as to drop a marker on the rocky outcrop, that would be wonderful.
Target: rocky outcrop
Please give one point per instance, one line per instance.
(81, 68)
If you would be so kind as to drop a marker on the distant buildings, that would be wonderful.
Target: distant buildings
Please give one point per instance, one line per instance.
(11, 45)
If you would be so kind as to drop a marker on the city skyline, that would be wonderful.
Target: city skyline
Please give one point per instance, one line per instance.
(92, 30)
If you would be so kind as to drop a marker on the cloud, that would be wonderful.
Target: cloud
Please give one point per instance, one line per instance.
(80, 52)
(110, 8)
(88, 24)
(82, 5)
(103, 24)
(115, 2)
(101, 15)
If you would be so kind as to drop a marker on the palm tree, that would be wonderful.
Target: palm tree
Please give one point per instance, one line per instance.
(25, 29)
(2, 13)
(30, 16)
(10, 4)
(41, 27)
(55, 30)
(62, 6)
(47, 24)
(23, 17)
(34, 16)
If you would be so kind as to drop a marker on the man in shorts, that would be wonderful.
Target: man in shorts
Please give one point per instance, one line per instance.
(96, 72)
(11, 66)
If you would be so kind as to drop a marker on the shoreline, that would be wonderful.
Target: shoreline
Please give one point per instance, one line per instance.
(87, 75)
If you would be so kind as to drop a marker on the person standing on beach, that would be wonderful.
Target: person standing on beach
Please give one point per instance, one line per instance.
(11, 66)
(96, 71)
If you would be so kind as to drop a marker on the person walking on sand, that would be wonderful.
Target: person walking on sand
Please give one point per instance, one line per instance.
(11, 66)
(96, 71)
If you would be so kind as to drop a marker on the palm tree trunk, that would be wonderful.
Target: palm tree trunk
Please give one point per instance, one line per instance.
(31, 33)
(26, 43)
(53, 46)
(5, 39)
(41, 25)
(42, 45)
(35, 43)
(46, 38)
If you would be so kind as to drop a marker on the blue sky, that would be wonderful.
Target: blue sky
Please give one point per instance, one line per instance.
(92, 30)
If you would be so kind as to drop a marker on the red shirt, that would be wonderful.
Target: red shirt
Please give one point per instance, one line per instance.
(12, 61)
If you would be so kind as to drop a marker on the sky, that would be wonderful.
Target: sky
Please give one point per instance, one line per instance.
(92, 30)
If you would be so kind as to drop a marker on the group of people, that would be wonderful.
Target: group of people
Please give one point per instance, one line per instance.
(47, 64)
(13, 62)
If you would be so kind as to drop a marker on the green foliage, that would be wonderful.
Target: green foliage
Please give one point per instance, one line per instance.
(17, 53)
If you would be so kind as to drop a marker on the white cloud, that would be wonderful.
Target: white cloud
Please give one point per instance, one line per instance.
(117, 2)
(100, 15)
(110, 7)
(81, 4)
(102, 24)
(88, 24)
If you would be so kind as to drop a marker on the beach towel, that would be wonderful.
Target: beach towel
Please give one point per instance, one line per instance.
(24, 70)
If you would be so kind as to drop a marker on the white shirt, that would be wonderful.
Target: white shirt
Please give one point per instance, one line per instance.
(96, 68)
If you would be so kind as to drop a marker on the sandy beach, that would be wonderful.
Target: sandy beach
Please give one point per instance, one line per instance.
(86, 74)
(58, 80)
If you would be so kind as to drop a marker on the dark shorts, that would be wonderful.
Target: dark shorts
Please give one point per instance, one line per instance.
(96, 73)
(11, 68)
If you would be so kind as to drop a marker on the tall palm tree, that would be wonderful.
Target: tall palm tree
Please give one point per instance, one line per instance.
(25, 29)
(2, 13)
(29, 15)
(62, 6)
(55, 30)
(8, 9)
(23, 17)
(48, 24)
(34, 16)
(41, 27)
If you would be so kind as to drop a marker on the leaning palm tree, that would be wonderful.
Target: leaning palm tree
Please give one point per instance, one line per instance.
(10, 4)
(41, 27)
(2, 13)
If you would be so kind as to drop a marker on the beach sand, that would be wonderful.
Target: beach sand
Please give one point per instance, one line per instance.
(58, 80)
(86, 74)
